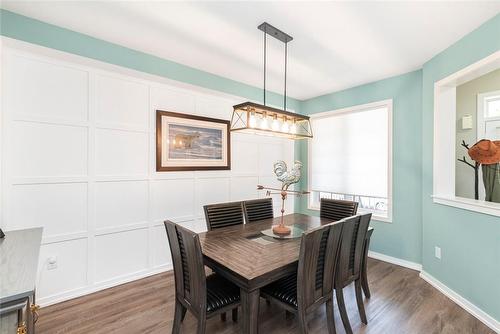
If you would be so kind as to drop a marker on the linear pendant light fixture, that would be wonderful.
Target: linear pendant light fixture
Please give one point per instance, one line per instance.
(261, 119)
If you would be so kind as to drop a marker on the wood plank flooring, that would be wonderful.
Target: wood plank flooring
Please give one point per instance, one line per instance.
(401, 303)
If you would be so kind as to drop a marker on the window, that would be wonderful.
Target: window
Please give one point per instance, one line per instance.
(488, 115)
(350, 157)
(493, 106)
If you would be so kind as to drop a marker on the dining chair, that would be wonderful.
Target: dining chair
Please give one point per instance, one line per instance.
(349, 265)
(312, 285)
(258, 209)
(223, 215)
(204, 296)
(337, 209)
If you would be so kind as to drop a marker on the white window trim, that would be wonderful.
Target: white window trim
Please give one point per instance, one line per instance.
(444, 138)
(359, 108)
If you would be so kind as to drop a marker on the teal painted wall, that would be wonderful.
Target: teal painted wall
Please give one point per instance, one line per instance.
(37, 32)
(402, 237)
(470, 241)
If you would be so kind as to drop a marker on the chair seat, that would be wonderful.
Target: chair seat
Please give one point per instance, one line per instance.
(284, 290)
(220, 293)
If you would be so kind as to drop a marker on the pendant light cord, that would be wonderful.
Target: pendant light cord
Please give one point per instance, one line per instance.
(265, 66)
(284, 95)
(265, 37)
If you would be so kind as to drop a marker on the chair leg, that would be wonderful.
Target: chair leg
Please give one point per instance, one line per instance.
(343, 310)
(183, 314)
(366, 288)
(364, 282)
(202, 324)
(179, 310)
(223, 316)
(302, 322)
(235, 314)
(330, 319)
(359, 301)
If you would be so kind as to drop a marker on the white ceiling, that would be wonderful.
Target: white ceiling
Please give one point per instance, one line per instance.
(336, 44)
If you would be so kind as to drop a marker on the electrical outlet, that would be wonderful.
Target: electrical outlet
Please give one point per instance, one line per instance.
(437, 252)
(52, 263)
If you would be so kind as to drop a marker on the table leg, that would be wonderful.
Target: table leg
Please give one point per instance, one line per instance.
(250, 311)
(31, 325)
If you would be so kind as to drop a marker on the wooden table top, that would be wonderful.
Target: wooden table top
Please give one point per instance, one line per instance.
(233, 247)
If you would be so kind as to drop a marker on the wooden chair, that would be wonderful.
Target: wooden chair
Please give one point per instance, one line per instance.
(258, 209)
(203, 296)
(349, 264)
(337, 209)
(312, 286)
(223, 215)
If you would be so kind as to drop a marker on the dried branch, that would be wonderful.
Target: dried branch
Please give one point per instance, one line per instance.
(466, 162)
(464, 145)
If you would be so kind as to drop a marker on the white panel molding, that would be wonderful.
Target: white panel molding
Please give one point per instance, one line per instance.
(175, 219)
(395, 260)
(91, 202)
(124, 178)
(123, 228)
(64, 237)
(47, 180)
(156, 258)
(30, 118)
(120, 127)
(478, 313)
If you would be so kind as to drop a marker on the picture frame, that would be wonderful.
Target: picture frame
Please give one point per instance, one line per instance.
(187, 142)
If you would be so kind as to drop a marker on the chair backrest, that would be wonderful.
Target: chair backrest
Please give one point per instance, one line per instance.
(351, 249)
(337, 209)
(258, 209)
(223, 215)
(317, 262)
(189, 271)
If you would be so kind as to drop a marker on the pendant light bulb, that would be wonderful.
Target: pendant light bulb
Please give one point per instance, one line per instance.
(264, 123)
(253, 121)
(285, 127)
(276, 123)
(293, 128)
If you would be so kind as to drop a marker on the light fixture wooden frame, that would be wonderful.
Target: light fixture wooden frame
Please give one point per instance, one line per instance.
(270, 121)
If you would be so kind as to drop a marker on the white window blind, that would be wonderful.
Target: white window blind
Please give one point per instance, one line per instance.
(350, 152)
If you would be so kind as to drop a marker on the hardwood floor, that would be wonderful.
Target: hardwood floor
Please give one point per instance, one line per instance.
(401, 303)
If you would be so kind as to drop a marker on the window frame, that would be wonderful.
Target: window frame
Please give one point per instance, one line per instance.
(482, 100)
(354, 109)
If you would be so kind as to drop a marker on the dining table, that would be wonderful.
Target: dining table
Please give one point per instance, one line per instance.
(251, 260)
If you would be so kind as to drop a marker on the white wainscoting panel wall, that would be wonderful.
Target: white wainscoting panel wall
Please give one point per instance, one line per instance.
(78, 146)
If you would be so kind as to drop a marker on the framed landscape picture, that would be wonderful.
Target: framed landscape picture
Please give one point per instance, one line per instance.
(187, 142)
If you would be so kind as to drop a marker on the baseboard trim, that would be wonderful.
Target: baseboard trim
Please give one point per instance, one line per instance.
(395, 260)
(68, 295)
(482, 316)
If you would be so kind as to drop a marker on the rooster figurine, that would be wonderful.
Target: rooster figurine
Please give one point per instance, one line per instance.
(287, 177)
